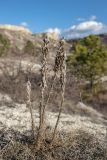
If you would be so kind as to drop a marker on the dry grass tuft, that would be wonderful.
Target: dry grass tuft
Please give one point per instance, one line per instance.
(78, 145)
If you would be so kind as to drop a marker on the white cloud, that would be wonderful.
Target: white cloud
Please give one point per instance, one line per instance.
(54, 30)
(53, 33)
(24, 24)
(93, 18)
(80, 19)
(89, 25)
(85, 28)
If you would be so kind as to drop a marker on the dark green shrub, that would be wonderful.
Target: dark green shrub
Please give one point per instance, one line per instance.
(29, 48)
(4, 45)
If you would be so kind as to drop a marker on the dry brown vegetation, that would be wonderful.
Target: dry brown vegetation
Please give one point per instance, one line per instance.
(79, 145)
(44, 143)
(59, 70)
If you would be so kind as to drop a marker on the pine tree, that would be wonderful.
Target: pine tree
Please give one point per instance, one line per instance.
(88, 59)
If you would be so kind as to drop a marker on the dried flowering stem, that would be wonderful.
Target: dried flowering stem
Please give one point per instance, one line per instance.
(28, 90)
(61, 67)
(43, 87)
(49, 94)
(56, 69)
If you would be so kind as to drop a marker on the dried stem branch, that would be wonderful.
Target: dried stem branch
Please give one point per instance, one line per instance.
(28, 90)
(43, 87)
(49, 95)
(61, 66)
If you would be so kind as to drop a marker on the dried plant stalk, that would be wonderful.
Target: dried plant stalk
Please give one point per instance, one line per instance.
(49, 94)
(56, 69)
(59, 68)
(43, 87)
(60, 65)
(28, 90)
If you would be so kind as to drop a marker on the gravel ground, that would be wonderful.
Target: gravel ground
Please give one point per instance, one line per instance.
(17, 117)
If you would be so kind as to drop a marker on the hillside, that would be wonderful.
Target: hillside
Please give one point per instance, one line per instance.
(18, 37)
(24, 48)
(103, 38)
(82, 133)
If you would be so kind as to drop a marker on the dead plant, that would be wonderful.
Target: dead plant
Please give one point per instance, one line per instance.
(60, 65)
(29, 105)
(43, 87)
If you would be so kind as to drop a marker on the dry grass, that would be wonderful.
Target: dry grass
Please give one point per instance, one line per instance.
(78, 145)
(97, 99)
(14, 84)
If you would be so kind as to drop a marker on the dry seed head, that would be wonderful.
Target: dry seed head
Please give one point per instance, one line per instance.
(62, 78)
(60, 65)
(59, 57)
(44, 66)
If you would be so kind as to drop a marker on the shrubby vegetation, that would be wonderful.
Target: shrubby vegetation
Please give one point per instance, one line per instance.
(4, 45)
(29, 47)
(88, 59)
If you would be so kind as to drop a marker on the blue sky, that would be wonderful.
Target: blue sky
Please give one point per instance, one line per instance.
(72, 18)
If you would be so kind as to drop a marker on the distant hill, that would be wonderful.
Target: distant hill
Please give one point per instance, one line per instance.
(103, 38)
(19, 36)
